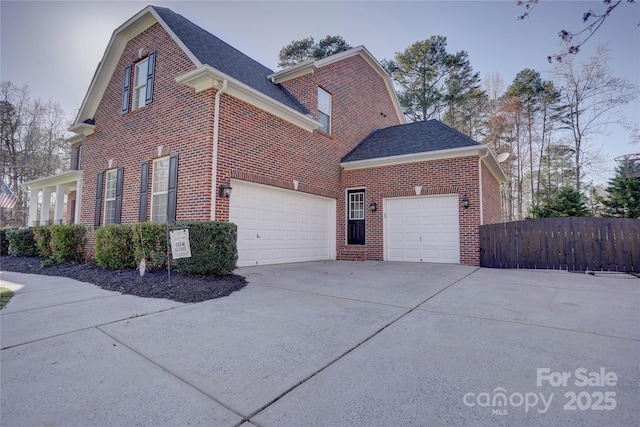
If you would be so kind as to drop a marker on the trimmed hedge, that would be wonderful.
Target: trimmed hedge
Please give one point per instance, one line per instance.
(213, 248)
(67, 243)
(4, 242)
(21, 242)
(114, 246)
(42, 236)
(150, 243)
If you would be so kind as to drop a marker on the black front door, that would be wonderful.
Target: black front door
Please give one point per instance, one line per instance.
(355, 217)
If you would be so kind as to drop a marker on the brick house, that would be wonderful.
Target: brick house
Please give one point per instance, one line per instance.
(317, 158)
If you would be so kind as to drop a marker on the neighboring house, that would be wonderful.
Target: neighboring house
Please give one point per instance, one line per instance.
(318, 159)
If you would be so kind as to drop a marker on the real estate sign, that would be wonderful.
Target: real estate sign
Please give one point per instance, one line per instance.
(180, 247)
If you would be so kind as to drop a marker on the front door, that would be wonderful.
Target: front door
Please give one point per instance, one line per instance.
(355, 217)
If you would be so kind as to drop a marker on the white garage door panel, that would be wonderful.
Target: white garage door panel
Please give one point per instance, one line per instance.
(279, 226)
(422, 229)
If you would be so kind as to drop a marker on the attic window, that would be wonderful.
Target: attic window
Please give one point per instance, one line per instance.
(143, 78)
(324, 110)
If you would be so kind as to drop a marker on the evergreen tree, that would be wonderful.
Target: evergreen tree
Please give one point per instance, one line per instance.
(569, 202)
(301, 50)
(624, 194)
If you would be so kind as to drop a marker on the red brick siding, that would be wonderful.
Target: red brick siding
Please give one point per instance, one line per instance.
(447, 176)
(257, 146)
(360, 100)
(491, 200)
(178, 119)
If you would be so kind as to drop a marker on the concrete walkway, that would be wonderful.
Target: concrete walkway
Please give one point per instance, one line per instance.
(328, 344)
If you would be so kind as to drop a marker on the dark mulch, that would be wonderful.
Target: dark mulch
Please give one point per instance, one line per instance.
(154, 284)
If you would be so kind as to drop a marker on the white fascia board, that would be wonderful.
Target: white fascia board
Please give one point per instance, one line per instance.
(494, 166)
(74, 139)
(476, 150)
(67, 177)
(298, 70)
(207, 77)
(82, 129)
(121, 36)
(414, 158)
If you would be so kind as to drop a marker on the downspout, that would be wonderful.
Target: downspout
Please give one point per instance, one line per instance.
(480, 177)
(214, 160)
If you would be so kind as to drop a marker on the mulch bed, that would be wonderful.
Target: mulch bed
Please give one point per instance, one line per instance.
(154, 284)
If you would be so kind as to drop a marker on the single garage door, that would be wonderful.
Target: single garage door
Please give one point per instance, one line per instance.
(279, 226)
(422, 229)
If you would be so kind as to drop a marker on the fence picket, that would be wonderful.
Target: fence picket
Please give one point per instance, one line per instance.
(611, 244)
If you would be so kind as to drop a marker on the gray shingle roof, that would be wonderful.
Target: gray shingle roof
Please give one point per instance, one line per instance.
(212, 51)
(409, 138)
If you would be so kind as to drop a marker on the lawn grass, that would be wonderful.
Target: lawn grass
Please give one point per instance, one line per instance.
(5, 296)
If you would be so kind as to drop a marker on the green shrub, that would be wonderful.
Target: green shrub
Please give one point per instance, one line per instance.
(150, 243)
(4, 242)
(67, 243)
(114, 247)
(21, 242)
(42, 236)
(213, 248)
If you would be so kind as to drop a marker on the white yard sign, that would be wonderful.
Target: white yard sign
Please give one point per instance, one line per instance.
(180, 247)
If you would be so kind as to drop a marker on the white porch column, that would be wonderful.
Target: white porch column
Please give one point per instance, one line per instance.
(59, 209)
(78, 200)
(33, 206)
(46, 203)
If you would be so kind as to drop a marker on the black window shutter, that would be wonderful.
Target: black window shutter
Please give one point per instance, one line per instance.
(119, 179)
(173, 185)
(151, 70)
(76, 158)
(126, 89)
(144, 192)
(97, 215)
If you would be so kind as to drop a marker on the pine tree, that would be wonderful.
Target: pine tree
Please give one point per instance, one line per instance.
(568, 202)
(624, 194)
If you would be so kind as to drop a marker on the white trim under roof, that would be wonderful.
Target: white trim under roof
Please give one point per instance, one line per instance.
(476, 150)
(61, 178)
(121, 36)
(309, 66)
(206, 77)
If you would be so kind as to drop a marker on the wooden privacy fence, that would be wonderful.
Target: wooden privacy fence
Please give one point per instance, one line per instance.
(609, 244)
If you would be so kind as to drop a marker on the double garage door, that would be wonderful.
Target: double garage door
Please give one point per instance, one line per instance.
(280, 226)
(422, 229)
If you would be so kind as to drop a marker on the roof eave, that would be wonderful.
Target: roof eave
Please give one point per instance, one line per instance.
(413, 158)
(61, 178)
(309, 66)
(121, 36)
(206, 77)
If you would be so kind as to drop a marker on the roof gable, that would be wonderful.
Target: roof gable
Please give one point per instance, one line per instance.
(410, 138)
(202, 48)
(210, 50)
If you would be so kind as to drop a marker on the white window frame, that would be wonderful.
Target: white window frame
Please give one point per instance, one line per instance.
(359, 210)
(324, 108)
(110, 185)
(140, 88)
(159, 216)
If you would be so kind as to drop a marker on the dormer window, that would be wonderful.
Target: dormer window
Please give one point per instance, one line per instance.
(324, 110)
(142, 80)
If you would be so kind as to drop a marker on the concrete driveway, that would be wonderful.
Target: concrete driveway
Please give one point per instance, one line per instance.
(328, 344)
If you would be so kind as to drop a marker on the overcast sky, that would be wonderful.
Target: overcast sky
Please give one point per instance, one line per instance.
(55, 47)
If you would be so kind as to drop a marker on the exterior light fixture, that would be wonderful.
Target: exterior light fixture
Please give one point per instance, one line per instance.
(373, 207)
(465, 202)
(225, 191)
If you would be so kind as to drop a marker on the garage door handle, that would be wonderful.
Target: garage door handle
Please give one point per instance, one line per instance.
(257, 236)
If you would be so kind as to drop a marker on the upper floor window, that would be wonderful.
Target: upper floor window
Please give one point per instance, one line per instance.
(76, 158)
(111, 177)
(324, 110)
(142, 80)
(160, 189)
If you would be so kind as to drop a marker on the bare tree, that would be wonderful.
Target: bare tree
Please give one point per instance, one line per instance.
(592, 96)
(32, 142)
